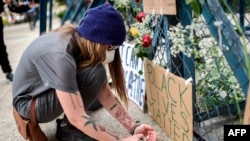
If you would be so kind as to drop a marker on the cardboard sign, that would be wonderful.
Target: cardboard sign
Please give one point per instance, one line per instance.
(246, 119)
(135, 82)
(169, 100)
(164, 7)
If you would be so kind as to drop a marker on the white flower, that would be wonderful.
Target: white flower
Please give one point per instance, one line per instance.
(223, 94)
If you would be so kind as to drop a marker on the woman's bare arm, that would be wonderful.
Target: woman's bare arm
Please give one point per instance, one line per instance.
(115, 108)
(73, 107)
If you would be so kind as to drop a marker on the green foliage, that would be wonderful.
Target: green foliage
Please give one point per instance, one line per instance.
(215, 82)
(60, 14)
(139, 51)
(60, 2)
(123, 6)
(5, 21)
(196, 6)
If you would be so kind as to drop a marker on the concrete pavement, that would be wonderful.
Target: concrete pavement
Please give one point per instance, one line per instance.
(17, 38)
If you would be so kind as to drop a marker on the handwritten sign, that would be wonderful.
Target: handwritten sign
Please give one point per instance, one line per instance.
(246, 119)
(169, 100)
(167, 7)
(135, 83)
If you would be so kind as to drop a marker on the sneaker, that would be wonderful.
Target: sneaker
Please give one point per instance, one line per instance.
(9, 76)
(67, 132)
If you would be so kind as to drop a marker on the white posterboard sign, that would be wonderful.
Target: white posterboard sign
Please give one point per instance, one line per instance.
(135, 83)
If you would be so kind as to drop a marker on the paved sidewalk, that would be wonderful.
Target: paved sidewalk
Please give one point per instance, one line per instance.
(17, 37)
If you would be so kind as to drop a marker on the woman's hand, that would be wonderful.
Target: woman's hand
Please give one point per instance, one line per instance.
(147, 131)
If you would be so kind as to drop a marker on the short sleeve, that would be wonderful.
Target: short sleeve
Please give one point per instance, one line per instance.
(57, 70)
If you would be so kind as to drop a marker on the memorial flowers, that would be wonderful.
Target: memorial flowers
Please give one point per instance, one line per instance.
(141, 32)
(211, 68)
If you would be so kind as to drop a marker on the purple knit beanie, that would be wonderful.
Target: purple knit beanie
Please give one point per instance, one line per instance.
(103, 24)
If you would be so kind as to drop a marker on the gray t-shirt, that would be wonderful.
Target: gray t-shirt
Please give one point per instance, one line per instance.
(45, 64)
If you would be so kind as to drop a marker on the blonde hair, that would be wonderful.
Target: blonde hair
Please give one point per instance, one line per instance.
(91, 54)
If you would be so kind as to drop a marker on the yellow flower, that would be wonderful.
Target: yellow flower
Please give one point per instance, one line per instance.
(134, 31)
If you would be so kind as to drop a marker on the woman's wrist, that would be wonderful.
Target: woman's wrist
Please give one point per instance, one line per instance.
(137, 124)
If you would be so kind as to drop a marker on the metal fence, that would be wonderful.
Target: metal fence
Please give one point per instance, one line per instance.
(209, 49)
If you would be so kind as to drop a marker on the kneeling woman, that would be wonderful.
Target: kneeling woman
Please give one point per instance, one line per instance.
(64, 71)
